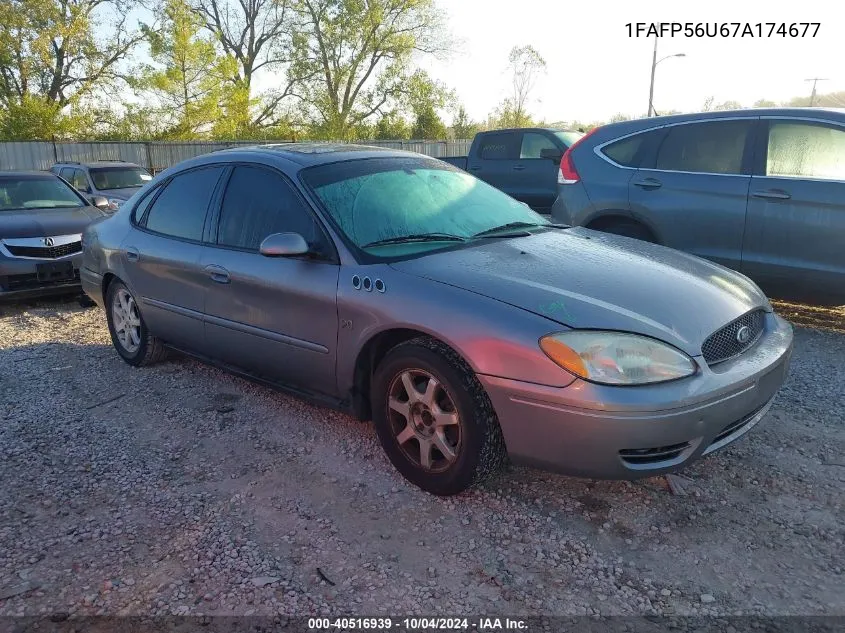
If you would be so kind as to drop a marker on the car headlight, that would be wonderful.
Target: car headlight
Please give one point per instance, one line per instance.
(616, 358)
(114, 204)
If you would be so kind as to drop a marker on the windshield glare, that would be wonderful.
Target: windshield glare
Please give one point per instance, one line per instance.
(569, 138)
(106, 178)
(380, 199)
(36, 193)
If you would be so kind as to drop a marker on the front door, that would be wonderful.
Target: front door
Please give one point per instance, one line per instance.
(693, 188)
(795, 232)
(537, 176)
(162, 254)
(496, 160)
(272, 316)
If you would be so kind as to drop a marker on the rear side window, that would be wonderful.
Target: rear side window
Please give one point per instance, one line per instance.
(806, 149)
(627, 151)
(499, 147)
(533, 143)
(179, 211)
(713, 147)
(259, 203)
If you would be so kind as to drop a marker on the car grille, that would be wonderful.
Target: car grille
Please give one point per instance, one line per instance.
(45, 252)
(652, 456)
(723, 344)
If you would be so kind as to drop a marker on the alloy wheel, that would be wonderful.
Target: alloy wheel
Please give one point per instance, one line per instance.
(424, 420)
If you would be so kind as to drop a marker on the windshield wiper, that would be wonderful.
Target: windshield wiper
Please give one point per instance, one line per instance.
(505, 227)
(496, 230)
(420, 237)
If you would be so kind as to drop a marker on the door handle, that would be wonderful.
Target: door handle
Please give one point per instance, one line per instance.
(519, 168)
(648, 183)
(475, 167)
(132, 254)
(218, 274)
(772, 194)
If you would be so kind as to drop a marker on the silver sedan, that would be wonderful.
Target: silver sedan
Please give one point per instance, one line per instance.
(467, 327)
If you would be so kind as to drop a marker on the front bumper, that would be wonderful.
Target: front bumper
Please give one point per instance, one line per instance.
(630, 432)
(20, 279)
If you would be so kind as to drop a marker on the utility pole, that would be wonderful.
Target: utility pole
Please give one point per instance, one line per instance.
(815, 80)
(651, 86)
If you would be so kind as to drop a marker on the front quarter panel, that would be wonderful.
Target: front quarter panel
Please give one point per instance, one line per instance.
(494, 338)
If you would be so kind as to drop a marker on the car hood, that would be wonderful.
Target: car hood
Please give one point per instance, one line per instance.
(120, 194)
(44, 222)
(585, 279)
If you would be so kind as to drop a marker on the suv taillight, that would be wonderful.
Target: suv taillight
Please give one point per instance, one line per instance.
(567, 174)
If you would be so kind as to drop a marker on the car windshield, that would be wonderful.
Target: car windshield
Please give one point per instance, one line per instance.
(378, 202)
(106, 178)
(38, 192)
(569, 138)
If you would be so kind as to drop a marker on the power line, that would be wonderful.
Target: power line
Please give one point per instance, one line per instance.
(815, 80)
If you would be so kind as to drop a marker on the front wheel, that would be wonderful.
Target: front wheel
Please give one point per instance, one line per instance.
(434, 419)
(129, 333)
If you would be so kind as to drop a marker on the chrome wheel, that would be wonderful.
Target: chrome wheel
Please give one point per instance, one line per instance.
(424, 420)
(126, 320)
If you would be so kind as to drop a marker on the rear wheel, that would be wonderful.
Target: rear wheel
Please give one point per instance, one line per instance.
(434, 419)
(129, 333)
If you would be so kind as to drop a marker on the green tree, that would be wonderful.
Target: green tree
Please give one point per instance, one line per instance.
(425, 97)
(351, 58)
(189, 78)
(764, 103)
(52, 57)
(391, 126)
(462, 126)
(525, 65)
(257, 34)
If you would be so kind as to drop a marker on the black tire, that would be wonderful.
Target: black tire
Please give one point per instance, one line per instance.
(628, 229)
(150, 349)
(481, 450)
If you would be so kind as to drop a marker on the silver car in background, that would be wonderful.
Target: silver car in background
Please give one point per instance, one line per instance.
(467, 327)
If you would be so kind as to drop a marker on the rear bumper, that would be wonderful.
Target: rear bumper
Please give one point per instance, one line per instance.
(19, 278)
(631, 432)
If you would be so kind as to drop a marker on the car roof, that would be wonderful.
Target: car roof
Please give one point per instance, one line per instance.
(528, 129)
(657, 121)
(27, 175)
(308, 154)
(96, 163)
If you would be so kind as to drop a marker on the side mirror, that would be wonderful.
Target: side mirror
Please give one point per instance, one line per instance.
(100, 202)
(284, 245)
(551, 154)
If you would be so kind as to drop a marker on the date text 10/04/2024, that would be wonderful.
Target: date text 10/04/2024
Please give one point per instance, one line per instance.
(418, 624)
(723, 29)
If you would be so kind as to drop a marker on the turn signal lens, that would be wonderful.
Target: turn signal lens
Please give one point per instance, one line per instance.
(616, 358)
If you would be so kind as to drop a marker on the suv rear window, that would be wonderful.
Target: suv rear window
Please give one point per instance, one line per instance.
(625, 152)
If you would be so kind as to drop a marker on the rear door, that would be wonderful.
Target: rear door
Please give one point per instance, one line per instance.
(273, 316)
(795, 232)
(162, 256)
(693, 190)
(536, 180)
(494, 160)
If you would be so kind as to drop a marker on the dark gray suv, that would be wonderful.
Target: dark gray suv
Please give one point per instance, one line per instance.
(761, 191)
(114, 180)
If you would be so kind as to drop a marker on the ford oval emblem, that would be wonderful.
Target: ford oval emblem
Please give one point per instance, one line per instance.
(743, 335)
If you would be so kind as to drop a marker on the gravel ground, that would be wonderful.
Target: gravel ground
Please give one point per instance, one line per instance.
(179, 489)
